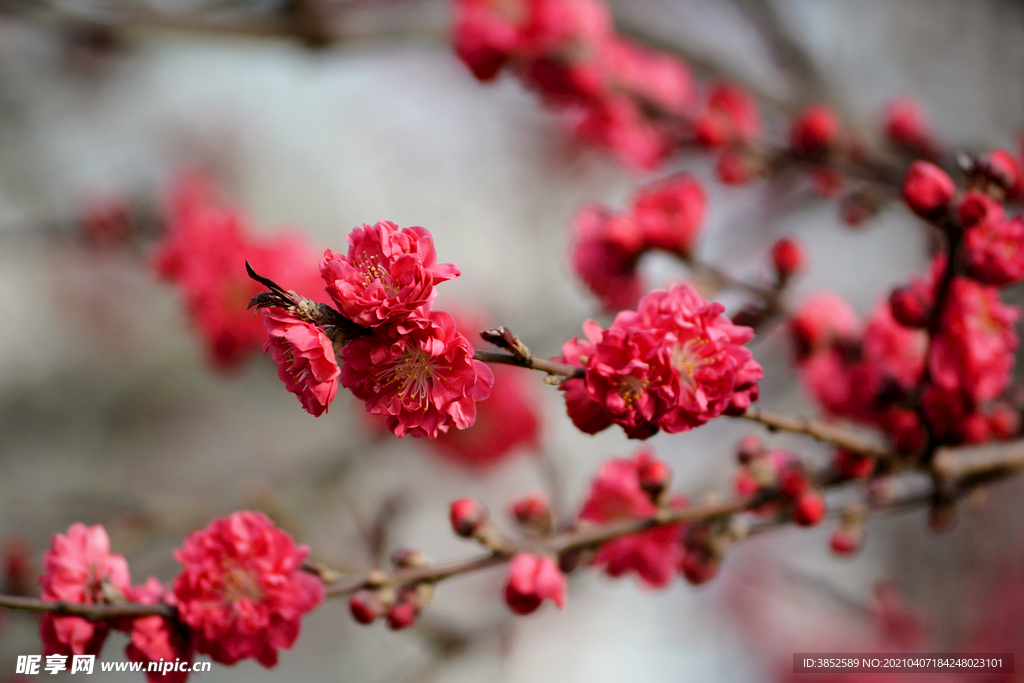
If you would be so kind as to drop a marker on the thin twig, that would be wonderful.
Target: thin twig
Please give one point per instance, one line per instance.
(817, 430)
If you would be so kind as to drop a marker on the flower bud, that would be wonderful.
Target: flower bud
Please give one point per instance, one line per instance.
(847, 539)
(927, 190)
(365, 606)
(793, 482)
(809, 509)
(906, 125)
(654, 476)
(534, 513)
(1004, 421)
(999, 167)
(467, 516)
(699, 567)
(852, 465)
(788, 256)
(908, 307)
(401, 616)
(748, 448)
(531, 580)
(406, 558)
(815, 131)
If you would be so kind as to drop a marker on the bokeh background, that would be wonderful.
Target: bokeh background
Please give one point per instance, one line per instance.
(357, 111)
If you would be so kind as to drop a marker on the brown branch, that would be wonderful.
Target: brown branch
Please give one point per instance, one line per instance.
(549, 366)
(961, 468)
(818, 431)
(89, 611)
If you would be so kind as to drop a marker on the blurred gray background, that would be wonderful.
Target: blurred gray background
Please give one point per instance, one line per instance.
(109, 413)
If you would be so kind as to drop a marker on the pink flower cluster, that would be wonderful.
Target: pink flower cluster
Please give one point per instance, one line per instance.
(617, 94)
(673, 364)
(204, 252)
(618, 493)
(240, 595)
(79, 568)
(410, 363)
(894, 374)
(607, 247)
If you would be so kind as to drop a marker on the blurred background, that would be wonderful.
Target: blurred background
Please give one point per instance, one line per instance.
(315, 117)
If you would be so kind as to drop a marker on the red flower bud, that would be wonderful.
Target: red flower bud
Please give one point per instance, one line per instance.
(788, 256)
(467, 516)
(402, 615)
(531, 580)
(793, 481)
(906, 125)
(809, 509)
(815, 131)
(735, 168)
(908, 307)
(1004, 421)
(365, 606)
(654, 476)
(1000, 167)
(699, 567)
(749, 448)
(852, 465)
(533, 512)
(847, 539)
(927, 190)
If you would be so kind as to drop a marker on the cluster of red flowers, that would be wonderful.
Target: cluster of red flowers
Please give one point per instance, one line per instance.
(408, 363)
(204, 251)
(932, 363)
(607, 247)
(673, 364)
(241, 595)
(617, 94)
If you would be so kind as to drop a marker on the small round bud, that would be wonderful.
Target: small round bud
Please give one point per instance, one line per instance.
(908, 307)
(365, 606)
(735, 168)
(847, 539)
(809, 509)
(748, 448)
(788, 257)
(906, 125)
(467, 516)
(406, 558)
(927, 190)
(1004, 421)
(534, 513)
(852, 465)
(699, 567)
(974, 428)
(815, 131)
(402, 615)
(654, 476)
(999, 167)
(793, 482)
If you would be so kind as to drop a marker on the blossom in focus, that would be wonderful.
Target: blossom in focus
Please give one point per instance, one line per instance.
(387, 275)
(204, 253)
(242, 589)
(425, 380)
(616, 493)
(156, 638)
(673, 364)
(531, 580)
(80, 568)
(306, 359)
